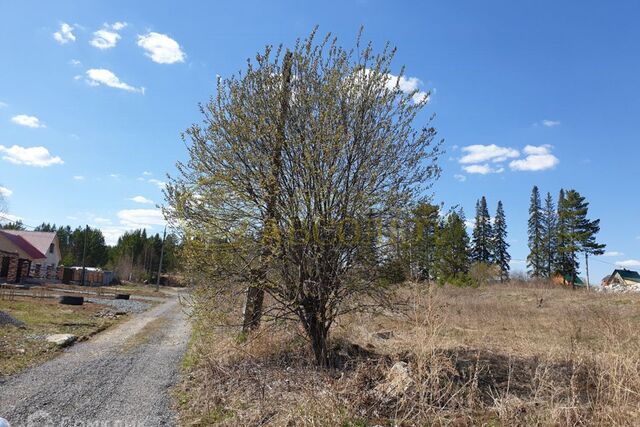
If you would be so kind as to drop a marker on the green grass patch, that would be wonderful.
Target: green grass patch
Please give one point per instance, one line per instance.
(21, 348)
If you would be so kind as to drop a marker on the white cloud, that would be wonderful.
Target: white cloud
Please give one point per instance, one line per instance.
(141, 218)
(408, 85)
(78, 177)
(460, 177)
(28, 121)
(10, 218)
(75, 62)
(420, 97)
(5, 192)
(141, 199)
(157, 183)
(107, 37)
(550, 123)
(483, 153)
(32, 156)
(65, 34)
(3, 104)
(612, 253)
(537, 150)
(405, 84)
(118, 26)
(147, 173)
(98, 76)
(628, 263)
(101, 220)
(161, 48)
(483, 169)
(114, 175)
(104, 39)
(538, 158)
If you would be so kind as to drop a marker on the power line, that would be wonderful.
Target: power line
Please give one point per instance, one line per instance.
(17, 220)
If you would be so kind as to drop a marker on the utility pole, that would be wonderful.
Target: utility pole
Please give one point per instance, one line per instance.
(586, 263)
(164, 235)
(84, 254)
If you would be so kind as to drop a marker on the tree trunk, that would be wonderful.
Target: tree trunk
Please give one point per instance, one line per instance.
(252, 308)
(255, 292)
(318, 334)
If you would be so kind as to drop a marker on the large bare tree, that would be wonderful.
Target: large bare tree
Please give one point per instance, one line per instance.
(291, 156)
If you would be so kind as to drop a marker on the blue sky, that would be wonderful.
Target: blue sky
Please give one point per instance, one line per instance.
(94, 96)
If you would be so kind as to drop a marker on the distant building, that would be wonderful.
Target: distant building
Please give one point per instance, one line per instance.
(565, 280)
(28, 254)
(622, 277)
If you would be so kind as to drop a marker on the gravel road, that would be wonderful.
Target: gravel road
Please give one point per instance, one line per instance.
(121, 377)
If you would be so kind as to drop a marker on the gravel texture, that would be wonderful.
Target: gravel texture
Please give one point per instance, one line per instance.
(5, 319)
(121, 377)
(127, 306)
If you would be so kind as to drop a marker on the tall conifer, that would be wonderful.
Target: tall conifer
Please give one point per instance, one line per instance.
(535, 261)
(500, 246)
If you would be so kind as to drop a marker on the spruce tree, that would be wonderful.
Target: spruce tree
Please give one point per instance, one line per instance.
(482, 234)
(549, 235)
(561, 264)
(424, 227)
(500, 246)
(578, 233)
(452, 249)
(535, 261)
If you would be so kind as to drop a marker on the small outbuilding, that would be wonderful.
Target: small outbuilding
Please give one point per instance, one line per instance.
(565, 280)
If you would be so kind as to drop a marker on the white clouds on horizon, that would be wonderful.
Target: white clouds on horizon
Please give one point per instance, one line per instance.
(65, 34)
(78, 178)
(28, 121)
(628, 263)
(29, 156)
(102, 76)
(550, 123)
(141, 218)
(161, 48)
(5, 192)
(538, 158)
(6, 217)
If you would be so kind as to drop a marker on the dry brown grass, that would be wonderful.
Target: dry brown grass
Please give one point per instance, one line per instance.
(514, 354)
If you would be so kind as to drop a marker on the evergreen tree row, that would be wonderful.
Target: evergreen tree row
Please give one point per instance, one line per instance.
(559, 233)
(429, 245)
(489, 243)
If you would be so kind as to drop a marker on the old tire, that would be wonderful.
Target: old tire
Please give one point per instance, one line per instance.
(69, 300)
(122, 296)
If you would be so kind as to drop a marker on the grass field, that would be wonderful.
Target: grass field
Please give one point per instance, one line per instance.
(513, 354)
(24, 347)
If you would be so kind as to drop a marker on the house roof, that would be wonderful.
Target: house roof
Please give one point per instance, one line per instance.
(41, 240)
(22, 245)
(628, 274)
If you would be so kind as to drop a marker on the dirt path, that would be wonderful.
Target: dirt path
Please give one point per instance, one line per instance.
(121, 377)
